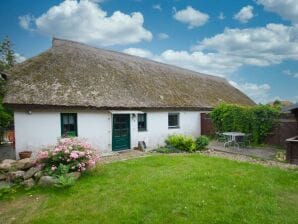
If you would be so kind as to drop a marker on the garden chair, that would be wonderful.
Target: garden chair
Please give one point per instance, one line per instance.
(243, 141)
(220, 137)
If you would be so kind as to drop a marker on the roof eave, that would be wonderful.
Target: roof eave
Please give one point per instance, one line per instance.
(80, 107)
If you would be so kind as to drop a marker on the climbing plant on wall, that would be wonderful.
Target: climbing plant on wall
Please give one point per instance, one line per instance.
(256, 120)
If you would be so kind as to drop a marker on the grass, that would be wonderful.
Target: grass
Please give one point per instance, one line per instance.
(164, 189)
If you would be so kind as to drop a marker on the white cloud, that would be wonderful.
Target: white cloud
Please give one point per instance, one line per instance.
(221, 16)
(287, 9)
(208, 63)
(19, 58)
(290, 73)
(194, 18)
(295, 99)
(255, 46)
(138, 52)
(26, 21)
(157, 7)
(225, 53)
(245, 14)
(259, 93)
(196, 61)
(97, 1)
(163, 36)
(86, 22)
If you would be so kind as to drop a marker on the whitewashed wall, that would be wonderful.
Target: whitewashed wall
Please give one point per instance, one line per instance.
(42, 128)
(158, 131)
(36, 130)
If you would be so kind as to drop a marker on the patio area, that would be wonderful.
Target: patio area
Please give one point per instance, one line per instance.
(266, 153)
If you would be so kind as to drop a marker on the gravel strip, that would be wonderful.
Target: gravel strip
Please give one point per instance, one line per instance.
(244, 158)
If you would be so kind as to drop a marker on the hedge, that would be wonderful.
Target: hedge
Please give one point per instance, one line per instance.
(255, 120)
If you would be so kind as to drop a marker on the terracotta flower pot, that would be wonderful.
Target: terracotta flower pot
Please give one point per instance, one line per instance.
(25, 154)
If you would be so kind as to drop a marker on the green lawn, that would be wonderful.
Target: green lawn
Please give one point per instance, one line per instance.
(165, 189)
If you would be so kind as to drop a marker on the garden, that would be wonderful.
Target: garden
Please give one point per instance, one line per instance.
(59, 166)
(180, 182)
(163, 188)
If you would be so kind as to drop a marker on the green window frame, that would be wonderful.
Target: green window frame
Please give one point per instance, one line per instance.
(174, 120)
(142, 122)
(69, 125)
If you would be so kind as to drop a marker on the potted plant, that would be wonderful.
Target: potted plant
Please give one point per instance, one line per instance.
(25, 154)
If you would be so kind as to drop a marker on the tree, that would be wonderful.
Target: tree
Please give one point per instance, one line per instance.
(7, 58)
(277, 104)
(7, 61)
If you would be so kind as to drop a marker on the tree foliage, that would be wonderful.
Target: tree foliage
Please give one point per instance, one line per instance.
(7, 58)
(257, 120)
(7, 61)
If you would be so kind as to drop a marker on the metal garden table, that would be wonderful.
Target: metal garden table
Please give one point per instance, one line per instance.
(232, 138)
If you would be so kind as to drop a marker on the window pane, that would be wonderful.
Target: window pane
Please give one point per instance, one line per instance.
(71, 119)
(71, 127)
(173, 120)
(142, 122)
(68, 124)
(64, 119)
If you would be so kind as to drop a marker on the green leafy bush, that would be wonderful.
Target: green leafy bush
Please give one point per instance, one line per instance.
(256, 120)
(202, 142)
(65, 181)
(181, 142)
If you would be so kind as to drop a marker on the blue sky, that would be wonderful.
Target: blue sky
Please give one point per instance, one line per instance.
(252, 43)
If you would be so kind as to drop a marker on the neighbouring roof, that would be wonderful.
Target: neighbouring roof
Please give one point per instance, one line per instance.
(292, 108)
(72, 74)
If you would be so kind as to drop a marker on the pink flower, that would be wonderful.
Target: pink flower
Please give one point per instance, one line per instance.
(42, 155)
(58, 149)
(74, 155)
(68, 150)
(91, 163)
(81, 154)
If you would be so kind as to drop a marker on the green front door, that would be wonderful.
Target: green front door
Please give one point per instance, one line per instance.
(121, 132)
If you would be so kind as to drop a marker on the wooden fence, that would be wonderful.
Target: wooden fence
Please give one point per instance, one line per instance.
(287, 127)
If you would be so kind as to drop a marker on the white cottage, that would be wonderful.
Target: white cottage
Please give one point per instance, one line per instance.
(112, 99)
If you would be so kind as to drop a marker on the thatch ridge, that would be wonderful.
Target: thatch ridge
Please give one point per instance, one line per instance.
(74, 74)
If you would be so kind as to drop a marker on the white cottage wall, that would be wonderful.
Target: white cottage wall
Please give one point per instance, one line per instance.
(158, 130)
(96, 127)
(38, 129)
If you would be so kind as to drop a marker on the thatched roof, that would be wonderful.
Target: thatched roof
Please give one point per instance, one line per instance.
(72, 74)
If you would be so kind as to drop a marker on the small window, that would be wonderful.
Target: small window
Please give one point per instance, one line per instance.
(173, 120)
(69, 125)
(142, 122)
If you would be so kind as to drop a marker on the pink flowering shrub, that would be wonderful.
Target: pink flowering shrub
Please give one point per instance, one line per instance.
(69, 155)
